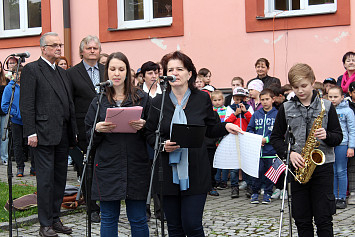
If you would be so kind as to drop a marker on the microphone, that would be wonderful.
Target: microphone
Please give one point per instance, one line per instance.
(171, 78)
(107, 83)
(21, 55)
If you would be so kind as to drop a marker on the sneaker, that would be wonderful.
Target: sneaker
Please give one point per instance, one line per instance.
(222, 186)
(341, 204)
(4, 162)
(281, 193)
(242, 185)
(32, 172)
(213, 192)
(266, 199)
(276, 194)
(254, 199)
(20, 172)
(235, 192)
(351, 200)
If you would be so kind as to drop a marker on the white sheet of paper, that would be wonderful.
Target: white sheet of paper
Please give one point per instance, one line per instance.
(239, 152)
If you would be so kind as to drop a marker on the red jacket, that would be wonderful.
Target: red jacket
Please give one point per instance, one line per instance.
(241, 122)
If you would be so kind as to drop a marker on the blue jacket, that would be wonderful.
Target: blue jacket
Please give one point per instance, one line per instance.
(15, 108)
(262, 123)
(347, 123)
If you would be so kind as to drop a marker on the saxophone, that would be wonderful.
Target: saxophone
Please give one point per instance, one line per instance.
(310, 154)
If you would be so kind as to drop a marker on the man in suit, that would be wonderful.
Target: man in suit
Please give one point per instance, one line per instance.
(84, 76)
(48, 117)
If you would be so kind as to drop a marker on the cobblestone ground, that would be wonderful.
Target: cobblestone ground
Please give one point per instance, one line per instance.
(223, 216)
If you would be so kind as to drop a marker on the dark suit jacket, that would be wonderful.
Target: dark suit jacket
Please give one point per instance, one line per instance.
(83, 92)
(39, 104)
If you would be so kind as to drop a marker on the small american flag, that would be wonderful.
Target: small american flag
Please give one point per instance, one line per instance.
(275, 170)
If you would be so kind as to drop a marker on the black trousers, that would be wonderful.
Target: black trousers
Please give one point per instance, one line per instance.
(17, 141)
(51, 174)
(314, 199)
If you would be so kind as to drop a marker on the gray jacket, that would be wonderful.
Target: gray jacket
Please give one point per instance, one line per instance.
(301, 119)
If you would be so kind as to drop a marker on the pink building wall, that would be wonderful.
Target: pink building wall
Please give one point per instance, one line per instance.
(215, 37)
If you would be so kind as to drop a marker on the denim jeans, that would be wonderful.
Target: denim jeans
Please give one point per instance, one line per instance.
(3, 144)
(136, 213)
(184, 214)
(264, 165)
(340, 172)
(234, 178)
(224, 174)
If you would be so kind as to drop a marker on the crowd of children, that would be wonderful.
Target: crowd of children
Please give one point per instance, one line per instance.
(254, 109)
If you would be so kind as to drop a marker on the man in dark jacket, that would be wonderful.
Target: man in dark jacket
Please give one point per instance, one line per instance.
(48, 118)
(84, 76)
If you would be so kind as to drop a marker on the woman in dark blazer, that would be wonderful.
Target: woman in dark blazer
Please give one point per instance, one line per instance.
(121, 170)
(187, 177)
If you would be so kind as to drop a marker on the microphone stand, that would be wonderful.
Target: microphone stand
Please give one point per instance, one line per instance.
(88, 165)
(290, 141)
(4, 135)
(157, 151)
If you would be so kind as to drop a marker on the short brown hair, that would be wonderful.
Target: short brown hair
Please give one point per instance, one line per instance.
(239, 79)
(300, 71)
(216, 93)
(267, 92)
(337, 88)
(262, 60)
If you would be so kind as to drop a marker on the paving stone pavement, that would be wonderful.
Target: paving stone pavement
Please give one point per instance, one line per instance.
(223, 216)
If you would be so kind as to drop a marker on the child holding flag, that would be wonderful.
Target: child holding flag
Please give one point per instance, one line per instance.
(262, 123)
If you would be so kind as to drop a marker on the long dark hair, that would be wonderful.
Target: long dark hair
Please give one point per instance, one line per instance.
(186, 61)
(129, 89)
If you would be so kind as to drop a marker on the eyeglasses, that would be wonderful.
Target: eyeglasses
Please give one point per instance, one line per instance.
(55, 45)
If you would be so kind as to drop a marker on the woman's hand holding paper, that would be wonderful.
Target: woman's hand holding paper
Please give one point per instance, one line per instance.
(137, 124)
(234, 129)
(104, 126)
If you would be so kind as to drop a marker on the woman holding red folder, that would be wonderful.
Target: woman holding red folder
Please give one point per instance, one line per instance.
(121, 168)
(186, 171)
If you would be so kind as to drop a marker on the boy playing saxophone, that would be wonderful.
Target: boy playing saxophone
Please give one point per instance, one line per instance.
(314, 199)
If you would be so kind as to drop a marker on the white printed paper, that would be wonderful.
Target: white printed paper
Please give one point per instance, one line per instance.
(240, 151)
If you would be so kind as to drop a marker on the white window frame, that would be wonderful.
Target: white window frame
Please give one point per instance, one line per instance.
(305, 9)
(24, 29)
(148, 21)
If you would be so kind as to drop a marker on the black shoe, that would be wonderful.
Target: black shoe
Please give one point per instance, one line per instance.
(95, 217)
(235, 192)
(222, 186)
(47, 231)
(340, 204)
(60, 228)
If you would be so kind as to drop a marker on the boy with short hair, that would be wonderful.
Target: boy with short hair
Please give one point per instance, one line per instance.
(236, 82)
(315, 199)
(240, 114)
(262, 123)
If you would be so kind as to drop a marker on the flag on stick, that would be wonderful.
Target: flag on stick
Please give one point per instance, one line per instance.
(275, 170)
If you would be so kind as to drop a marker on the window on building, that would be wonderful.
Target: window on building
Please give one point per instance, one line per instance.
(20, 18)
(144, 13)
(283, 8)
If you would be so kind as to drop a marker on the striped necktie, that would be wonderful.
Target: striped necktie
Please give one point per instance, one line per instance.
(95, 78)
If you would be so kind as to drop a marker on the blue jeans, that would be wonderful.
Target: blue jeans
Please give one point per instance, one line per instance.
(340, 171)
(224, 174)
(136, 213)
(3, 144)
(234, 178)
(184, 215)
(264, 165)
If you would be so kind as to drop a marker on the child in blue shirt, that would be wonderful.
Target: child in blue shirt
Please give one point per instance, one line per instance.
(262, 123)
(346, 148)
